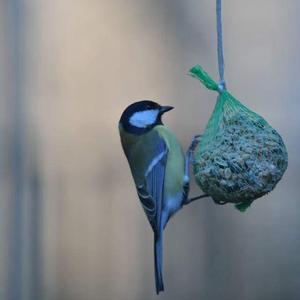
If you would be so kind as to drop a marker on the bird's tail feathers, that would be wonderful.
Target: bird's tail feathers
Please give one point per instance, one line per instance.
(158, 257)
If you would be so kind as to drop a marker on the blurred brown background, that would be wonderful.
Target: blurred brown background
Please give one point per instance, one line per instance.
(71, 227)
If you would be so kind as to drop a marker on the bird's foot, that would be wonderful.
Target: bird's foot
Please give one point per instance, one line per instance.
(195, 141)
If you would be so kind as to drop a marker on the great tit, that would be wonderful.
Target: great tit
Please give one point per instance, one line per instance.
(158, 166)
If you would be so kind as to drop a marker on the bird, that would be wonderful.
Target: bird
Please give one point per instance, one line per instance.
(159, 167)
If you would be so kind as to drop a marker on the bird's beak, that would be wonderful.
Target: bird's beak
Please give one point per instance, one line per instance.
(164, 109)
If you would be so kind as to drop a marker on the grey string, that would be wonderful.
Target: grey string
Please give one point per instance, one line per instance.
(222, 84)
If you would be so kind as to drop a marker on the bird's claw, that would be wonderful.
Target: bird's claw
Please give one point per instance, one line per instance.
(189, 153)
(194, 143)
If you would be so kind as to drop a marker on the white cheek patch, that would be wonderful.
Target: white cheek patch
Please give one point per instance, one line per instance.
(145, 118)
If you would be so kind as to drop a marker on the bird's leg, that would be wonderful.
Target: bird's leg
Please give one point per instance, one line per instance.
(195, 198)
(188, 159)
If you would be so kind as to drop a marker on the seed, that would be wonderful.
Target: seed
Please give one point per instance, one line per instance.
(227, 173)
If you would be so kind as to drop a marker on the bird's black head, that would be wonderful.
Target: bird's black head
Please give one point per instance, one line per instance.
(142, 116)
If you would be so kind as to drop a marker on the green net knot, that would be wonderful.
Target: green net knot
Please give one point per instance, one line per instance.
(198, 72)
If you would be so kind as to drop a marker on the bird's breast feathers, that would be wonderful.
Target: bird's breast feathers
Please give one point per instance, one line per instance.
(174, 178)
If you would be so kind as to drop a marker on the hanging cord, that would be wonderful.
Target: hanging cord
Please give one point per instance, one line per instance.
(222, 84)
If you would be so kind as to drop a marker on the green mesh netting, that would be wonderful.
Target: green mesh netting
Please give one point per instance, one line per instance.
(240, 157)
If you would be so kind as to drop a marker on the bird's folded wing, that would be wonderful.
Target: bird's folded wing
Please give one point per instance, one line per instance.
(151, 192)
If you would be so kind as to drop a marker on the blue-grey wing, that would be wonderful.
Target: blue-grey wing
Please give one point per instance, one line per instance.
(151, 192)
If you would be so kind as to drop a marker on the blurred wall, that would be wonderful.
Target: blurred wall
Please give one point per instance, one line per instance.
(71, 227)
